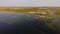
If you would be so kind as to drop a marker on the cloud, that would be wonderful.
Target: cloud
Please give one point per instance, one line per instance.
(22, 3)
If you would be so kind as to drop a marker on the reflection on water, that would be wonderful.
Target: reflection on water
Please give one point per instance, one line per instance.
(13, 17)
(57, 17)
(52, 13)
(26, 23)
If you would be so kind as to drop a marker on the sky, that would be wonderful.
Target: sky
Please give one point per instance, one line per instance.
(29, 3)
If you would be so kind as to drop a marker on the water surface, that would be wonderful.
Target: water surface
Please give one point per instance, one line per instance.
(26, 24)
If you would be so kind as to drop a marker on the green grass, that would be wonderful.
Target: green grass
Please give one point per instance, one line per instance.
(49, 17)
(45, 16)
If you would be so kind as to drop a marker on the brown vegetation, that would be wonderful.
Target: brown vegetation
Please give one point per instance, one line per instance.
(26, 9)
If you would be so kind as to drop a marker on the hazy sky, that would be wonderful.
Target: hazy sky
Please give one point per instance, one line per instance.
(25, 3)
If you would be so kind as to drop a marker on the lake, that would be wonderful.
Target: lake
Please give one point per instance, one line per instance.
(27, 24)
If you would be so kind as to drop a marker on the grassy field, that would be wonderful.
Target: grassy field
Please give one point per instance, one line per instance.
(24, 11)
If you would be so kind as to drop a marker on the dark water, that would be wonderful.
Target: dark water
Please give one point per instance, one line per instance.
(12, 23)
